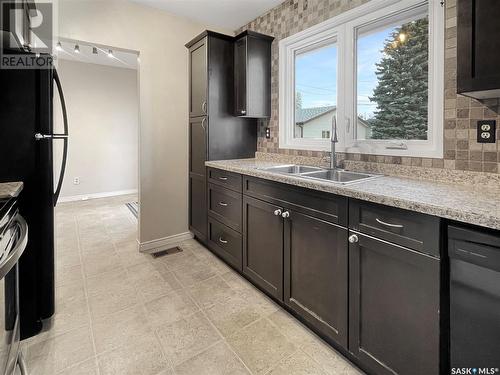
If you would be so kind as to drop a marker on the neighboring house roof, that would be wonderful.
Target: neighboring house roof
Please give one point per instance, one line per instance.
(304, 115)
(363, 122)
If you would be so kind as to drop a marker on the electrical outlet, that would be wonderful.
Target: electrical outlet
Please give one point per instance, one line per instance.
(76, 181)
(268, 133)
(486, 131)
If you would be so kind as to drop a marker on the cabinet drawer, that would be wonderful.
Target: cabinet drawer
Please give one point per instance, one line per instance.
(225, 206)
(227, 179)
(325, 206)
(406, 228)
(225, 242)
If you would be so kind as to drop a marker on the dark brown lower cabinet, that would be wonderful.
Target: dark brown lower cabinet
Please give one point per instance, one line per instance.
(198, 206)
(316, 273)
(394, 308)
(197, 177)
(263, 245)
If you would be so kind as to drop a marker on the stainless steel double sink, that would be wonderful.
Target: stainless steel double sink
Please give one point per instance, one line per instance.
(338, 176)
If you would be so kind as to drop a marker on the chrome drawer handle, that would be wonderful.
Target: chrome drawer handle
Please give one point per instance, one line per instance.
(353, 238)
(389, 224)
(221, 240)
(223, 204)
(223, 178)
(277, 213)
(285, 215)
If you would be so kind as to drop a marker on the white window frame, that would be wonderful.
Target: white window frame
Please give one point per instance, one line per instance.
(342, 29)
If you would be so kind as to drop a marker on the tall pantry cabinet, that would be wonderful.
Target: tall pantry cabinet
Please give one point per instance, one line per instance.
(214, 132)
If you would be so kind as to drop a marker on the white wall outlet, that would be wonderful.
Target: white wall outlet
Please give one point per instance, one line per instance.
(76, 181)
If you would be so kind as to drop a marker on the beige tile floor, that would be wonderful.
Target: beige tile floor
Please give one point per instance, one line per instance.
(121, 312)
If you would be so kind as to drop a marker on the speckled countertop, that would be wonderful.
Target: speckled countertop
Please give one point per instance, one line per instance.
(471, 204)
(10, 189)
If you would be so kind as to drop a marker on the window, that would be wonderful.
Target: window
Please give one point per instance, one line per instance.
(392, 81)
(376, 69)
(315, 90)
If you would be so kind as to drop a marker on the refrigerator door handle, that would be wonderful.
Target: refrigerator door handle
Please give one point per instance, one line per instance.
(39, 136)
(63, 136)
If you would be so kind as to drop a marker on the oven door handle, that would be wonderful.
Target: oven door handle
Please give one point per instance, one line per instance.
(22, 364)
(19, 247)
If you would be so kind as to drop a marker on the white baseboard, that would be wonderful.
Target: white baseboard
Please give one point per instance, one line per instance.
(164, 243)
(85, 197)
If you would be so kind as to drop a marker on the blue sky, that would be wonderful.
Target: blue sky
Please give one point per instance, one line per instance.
(316, 73)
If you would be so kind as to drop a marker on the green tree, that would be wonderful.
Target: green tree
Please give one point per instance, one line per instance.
(402, 90)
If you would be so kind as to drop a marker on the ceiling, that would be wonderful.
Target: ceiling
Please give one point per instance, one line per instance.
(120, 58)
(227, 14)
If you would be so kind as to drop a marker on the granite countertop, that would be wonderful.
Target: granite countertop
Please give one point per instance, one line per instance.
(10, 189)
(473, 204)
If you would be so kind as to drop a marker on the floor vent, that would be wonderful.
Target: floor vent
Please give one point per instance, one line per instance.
(162, 253)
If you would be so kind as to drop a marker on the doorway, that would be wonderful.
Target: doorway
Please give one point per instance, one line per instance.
(101, 91)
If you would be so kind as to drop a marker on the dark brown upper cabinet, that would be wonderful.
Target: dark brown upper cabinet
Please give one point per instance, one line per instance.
(252, 75)
(478, 33)
(198, 79)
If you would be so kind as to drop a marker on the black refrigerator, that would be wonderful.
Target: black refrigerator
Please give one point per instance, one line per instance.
(26, 154)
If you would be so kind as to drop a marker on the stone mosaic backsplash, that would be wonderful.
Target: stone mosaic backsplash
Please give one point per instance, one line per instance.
(461, 151)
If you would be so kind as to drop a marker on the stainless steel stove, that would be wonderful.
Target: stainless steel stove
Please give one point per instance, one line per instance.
(13, 240)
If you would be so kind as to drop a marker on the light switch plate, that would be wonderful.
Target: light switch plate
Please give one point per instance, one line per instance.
(486, 131)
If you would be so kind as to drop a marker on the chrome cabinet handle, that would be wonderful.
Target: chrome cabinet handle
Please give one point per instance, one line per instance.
(204, 107)
(388, 224)
(203, 123)
(223, 178)
(221, 240)
(277, 212)
(223, 204)
(353, 238)
(243, 112)
(285, 215)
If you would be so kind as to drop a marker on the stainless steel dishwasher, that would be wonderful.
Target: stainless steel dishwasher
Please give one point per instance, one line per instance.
(474, 299)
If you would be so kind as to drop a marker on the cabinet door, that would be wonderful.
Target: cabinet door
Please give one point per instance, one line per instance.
(478, 42)
(263, 245)
(394, 308)
(316, 273)
(197, 177)
(197, 145)
(198, 72)
(240, 76)
(198, 206)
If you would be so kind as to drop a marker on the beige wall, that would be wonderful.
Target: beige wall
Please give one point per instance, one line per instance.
(103, 110)
(163, 75)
